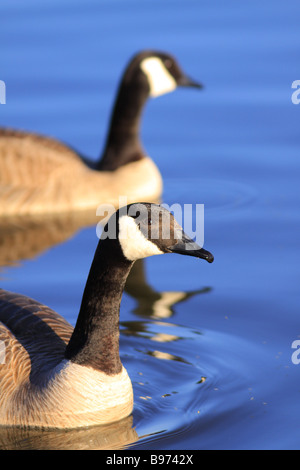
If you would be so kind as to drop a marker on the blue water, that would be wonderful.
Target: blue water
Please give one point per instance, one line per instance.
(212, 367)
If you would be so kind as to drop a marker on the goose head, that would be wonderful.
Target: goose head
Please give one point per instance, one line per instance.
(133, 232)
(145, 229)
(149, 74)
(159, 72)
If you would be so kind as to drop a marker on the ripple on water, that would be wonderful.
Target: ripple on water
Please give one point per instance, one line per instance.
(183, 378)
(218, 195)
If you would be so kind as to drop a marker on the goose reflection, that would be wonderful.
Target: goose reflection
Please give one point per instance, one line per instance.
(150, 303)
(23, 238)
(115, 436)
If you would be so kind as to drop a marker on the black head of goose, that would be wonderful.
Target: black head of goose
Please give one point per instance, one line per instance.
(149, 74)
(55, 376)
(41, 175)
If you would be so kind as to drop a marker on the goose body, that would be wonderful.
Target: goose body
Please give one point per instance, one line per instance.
(55, 376)
(39, 174)
(39, 387)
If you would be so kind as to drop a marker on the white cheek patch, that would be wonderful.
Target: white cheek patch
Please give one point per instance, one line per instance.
(160, 80)
(133, 243)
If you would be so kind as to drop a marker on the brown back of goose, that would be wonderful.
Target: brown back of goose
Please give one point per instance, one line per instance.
(32, 336)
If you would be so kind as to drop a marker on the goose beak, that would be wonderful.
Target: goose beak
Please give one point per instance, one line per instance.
(188, 82)
(186, 246)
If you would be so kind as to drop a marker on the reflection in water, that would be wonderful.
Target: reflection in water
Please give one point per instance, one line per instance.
(29, 236)
(25, 237)
(159, 332)
(166, 356)
(109, 437)
(144, 329)
(150, 303)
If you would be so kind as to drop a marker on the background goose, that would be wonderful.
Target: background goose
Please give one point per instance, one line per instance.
(39, 174)
(55, 376)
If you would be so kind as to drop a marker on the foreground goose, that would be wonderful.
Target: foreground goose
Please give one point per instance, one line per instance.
(55, 376)
(41, 175)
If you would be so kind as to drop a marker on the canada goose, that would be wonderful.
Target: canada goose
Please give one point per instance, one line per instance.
(42, 175)
(55, 376)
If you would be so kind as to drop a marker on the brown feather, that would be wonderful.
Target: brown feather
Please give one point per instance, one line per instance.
(40, 175)
(38, 387)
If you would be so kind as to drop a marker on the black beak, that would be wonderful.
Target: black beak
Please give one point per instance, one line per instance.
(186, 246)
(188, 82)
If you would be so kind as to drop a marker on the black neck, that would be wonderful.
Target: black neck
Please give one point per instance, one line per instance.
(95, 340)
(123, 143)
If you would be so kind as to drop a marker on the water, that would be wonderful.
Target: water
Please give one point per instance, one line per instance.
(208, 347)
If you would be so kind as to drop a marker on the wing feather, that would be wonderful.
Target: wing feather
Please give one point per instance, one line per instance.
(34, 338)
(31, 160)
